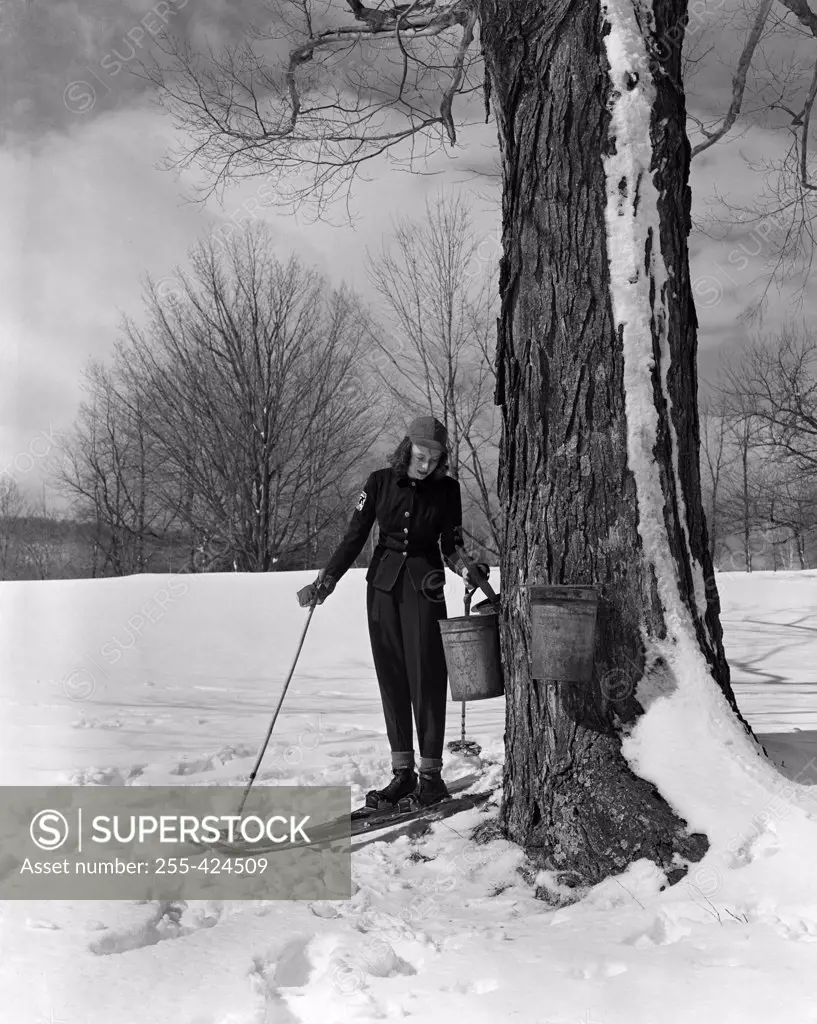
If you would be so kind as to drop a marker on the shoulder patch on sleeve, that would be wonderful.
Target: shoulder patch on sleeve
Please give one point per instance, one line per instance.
(361, 501)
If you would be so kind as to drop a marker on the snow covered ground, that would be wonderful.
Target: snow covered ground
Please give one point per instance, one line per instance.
(165, 680)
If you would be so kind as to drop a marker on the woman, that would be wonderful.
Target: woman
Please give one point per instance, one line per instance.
(419, 511)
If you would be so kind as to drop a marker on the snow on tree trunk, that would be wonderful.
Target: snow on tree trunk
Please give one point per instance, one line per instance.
(597, 380)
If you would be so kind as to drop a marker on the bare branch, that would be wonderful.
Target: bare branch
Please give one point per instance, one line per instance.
(803, 13)
(739, 79)
(319, 114)
(457, 77)
(804, 132)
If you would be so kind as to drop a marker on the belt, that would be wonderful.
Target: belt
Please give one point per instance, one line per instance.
(397, 545)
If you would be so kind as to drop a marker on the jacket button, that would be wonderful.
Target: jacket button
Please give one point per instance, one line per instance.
(405, 529)
(407, 514)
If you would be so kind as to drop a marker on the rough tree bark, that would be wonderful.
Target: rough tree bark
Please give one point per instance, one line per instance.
(571, 499)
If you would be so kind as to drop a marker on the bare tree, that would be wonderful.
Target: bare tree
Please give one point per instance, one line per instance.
(789, 508)
(42, 548)
(596, 362)
(715, 461)
(776, 382)
(743, 428)
(107, 467)
(743, 486)
(436, 358)
(12, 507)
(242, 376)
(759, 450)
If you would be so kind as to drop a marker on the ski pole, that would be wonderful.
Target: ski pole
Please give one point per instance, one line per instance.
(462, 745)
(263, 749)
(467, 609)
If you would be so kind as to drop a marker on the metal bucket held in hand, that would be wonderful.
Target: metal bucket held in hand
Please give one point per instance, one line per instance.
(563, 632)
(471, 646)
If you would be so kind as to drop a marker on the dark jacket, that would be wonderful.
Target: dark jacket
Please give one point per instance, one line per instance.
(417, 518)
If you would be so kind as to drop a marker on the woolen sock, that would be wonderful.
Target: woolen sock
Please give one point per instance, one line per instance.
(431, 764)
(402, 759)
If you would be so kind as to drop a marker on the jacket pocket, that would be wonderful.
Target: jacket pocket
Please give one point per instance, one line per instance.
(383, 573)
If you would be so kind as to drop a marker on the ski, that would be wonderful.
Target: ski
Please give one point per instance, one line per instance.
(366, 814)
(365, 820)
(413, 826)
(415, 821)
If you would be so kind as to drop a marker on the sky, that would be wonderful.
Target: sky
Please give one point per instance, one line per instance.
(88, 211)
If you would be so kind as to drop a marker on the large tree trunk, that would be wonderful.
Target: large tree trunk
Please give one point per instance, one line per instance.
(580, 509)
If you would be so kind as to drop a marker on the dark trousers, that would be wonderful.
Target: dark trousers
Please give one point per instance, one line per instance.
(408, 657)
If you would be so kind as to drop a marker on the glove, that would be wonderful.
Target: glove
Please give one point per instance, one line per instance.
(317, 592)
(472, 582)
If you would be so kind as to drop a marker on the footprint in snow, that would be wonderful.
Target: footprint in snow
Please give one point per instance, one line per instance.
(792, 926)
(662, 932)
(604, 970)
(210, 762)
(170, 920)
(324, 910)
(480, 987)
(289, 968)
(108, 776)
(720, 961)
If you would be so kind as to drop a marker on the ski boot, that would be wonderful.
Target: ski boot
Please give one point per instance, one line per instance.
(401, 786)
(430, 790)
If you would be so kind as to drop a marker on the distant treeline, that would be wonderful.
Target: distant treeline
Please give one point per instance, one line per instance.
(48, 548)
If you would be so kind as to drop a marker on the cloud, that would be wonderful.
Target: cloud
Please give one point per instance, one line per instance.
(69, 59)
(85, 214)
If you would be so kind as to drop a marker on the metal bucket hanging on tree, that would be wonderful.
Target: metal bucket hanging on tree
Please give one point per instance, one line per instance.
(563, 632)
